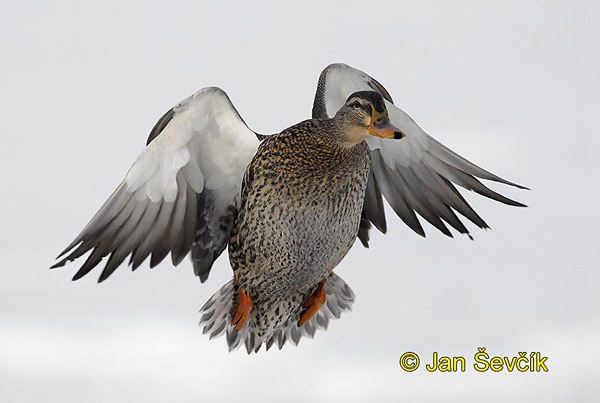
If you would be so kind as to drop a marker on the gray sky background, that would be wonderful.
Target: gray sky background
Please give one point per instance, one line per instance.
(512, 86)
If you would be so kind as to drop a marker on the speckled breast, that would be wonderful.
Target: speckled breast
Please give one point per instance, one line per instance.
(301, 206)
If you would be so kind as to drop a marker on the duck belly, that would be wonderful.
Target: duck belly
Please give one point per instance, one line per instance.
(292, 245)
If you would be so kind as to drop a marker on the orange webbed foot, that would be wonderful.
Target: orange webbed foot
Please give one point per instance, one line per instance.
(313, 304)
(241, 313)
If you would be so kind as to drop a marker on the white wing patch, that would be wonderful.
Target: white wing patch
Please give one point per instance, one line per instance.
(197, 161)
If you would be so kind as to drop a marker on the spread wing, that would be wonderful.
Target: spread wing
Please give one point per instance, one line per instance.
(415, 174)
(181, 193)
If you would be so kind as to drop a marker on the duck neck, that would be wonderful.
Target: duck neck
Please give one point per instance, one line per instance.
(343, 135)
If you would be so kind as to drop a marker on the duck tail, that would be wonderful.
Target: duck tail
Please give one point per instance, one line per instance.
(217, 321)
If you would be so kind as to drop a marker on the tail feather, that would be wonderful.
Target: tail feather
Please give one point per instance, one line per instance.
(217, 321)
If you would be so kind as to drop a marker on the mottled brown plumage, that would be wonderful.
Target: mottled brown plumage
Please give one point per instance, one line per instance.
(302, 198)
(301, 203)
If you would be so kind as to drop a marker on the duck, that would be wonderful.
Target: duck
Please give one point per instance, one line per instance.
(288, 206)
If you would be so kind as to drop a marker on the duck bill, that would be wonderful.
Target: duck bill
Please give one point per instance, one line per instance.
(382, 127)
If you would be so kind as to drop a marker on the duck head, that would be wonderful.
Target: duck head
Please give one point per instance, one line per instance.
(363, 115)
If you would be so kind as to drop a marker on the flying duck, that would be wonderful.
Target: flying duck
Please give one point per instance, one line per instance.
(288, 206)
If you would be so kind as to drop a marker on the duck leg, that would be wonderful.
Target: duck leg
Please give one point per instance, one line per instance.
(313, 304)
(242, 311)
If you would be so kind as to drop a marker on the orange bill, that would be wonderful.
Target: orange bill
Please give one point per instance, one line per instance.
(382, 127)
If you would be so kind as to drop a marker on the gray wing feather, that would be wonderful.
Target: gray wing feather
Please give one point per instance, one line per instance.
(373, 206)
(152, 213)
(393, 195)
(414, 177)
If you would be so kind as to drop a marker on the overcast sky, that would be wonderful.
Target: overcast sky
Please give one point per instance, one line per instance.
(512, 86)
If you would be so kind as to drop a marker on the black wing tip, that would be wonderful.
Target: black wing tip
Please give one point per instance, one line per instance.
(69, 248)
(515, 203)
(69, 258)
(416, 226)
(64, 261)
(157, 257)
(177, 257)
(513, 184)
(505, 200)
(380, 225)
(135, 265)
(490, 194)
(203, 277)
(57, 265)
(383, 228)
(160, 125)
(511, 202)
(83, 270)
(203, 267)
(104, 276)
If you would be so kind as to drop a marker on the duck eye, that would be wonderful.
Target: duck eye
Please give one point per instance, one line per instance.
(356, 104)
